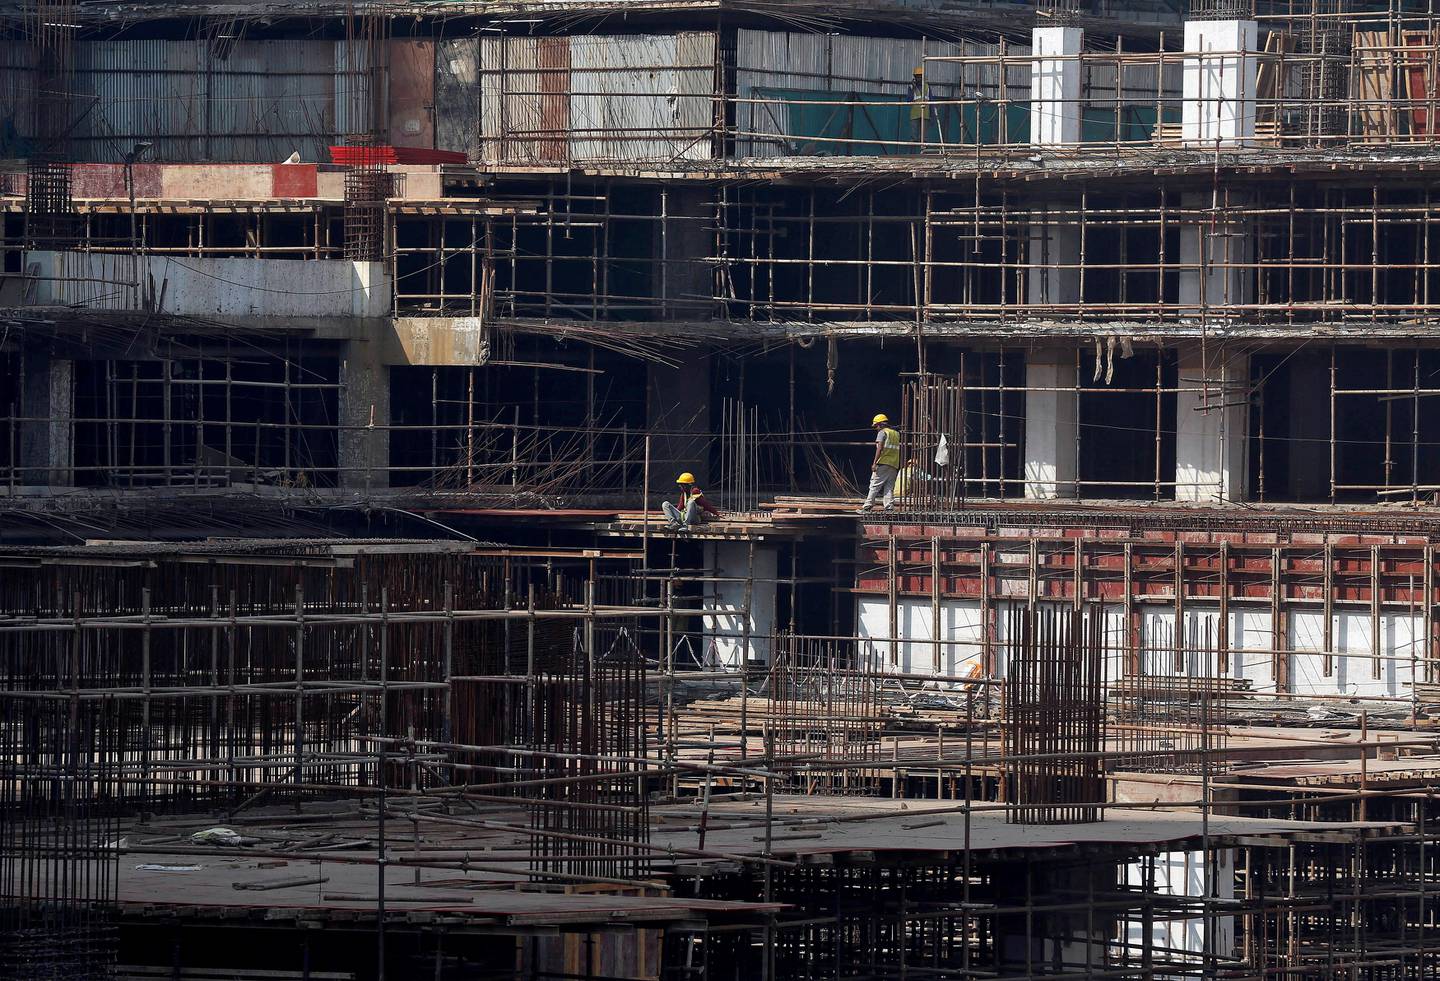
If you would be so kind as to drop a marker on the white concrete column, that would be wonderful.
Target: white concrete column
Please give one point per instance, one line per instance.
(1053, 276)
(1215, 250)
(364, 417)
(1218, 82)
(724, 634)
(1053, 260)
(1051, 421)
(1055, 85)
(1212, 425)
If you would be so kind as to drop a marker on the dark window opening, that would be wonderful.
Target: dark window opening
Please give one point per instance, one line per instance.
(1127, 423)
(248, 418)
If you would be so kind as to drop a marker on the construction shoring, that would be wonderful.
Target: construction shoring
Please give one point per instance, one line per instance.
(406, 758)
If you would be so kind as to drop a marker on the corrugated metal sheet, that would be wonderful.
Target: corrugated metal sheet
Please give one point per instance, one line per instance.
(642, 97)
(510, 116)
(606, 97)
(768, 60)
(264, 101)
(17, 106)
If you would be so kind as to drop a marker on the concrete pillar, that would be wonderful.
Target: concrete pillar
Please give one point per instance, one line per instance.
(1214, 252)
(1055, 86)
(47, 437)
(1051, 421)
(364, 417)
(684, 243)
(1053, 277)
(1053, 262)
(1212, 423)
(1218, 82)
(677, 413)
(725, 633)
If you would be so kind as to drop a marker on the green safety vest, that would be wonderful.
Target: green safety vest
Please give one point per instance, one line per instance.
(889, 449)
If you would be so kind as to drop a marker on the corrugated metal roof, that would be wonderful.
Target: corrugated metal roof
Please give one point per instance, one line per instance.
(264, 101)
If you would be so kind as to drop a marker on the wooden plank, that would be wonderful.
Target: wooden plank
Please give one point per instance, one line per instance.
(1375, 84)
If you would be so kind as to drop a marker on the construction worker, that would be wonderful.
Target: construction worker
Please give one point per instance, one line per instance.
(905, 480)
(886, 465)
(692, 502)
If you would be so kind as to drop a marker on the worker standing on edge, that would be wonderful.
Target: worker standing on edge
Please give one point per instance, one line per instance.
(886, 466)
(692, 502)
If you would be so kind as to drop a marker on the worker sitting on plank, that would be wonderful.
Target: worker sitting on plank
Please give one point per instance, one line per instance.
(905, 480)
(886, 465)
(692, 503)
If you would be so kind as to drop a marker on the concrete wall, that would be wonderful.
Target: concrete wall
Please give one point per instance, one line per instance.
(725, 633)
(961, 630)
(1182, 873)
(243, 182)
(213, 287)
(1251, 640)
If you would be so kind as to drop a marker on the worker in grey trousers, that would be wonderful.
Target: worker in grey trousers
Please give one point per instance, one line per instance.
(886, 465)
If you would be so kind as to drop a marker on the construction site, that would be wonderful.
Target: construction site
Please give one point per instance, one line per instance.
(362, 619)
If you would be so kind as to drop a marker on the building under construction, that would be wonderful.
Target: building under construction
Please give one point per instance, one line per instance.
(348, 350)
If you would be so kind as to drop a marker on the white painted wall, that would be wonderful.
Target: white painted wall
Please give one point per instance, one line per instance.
(960, 628)
(213, 287)
(1182, 873)
(724, 633)
(1251, 640)
(1352, 633)
(962, 631)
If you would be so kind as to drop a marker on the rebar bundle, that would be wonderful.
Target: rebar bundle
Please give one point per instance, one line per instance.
(823, 711)
(933, 426)
(368, 186)
(1054, 724)
(58, 853)
(739, 456)
(577, 734)
(50, 219)
(1169, 716)
(1221, 9)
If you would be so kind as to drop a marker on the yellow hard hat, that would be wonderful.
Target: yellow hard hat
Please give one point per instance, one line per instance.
(879, 418)
(685, 478)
